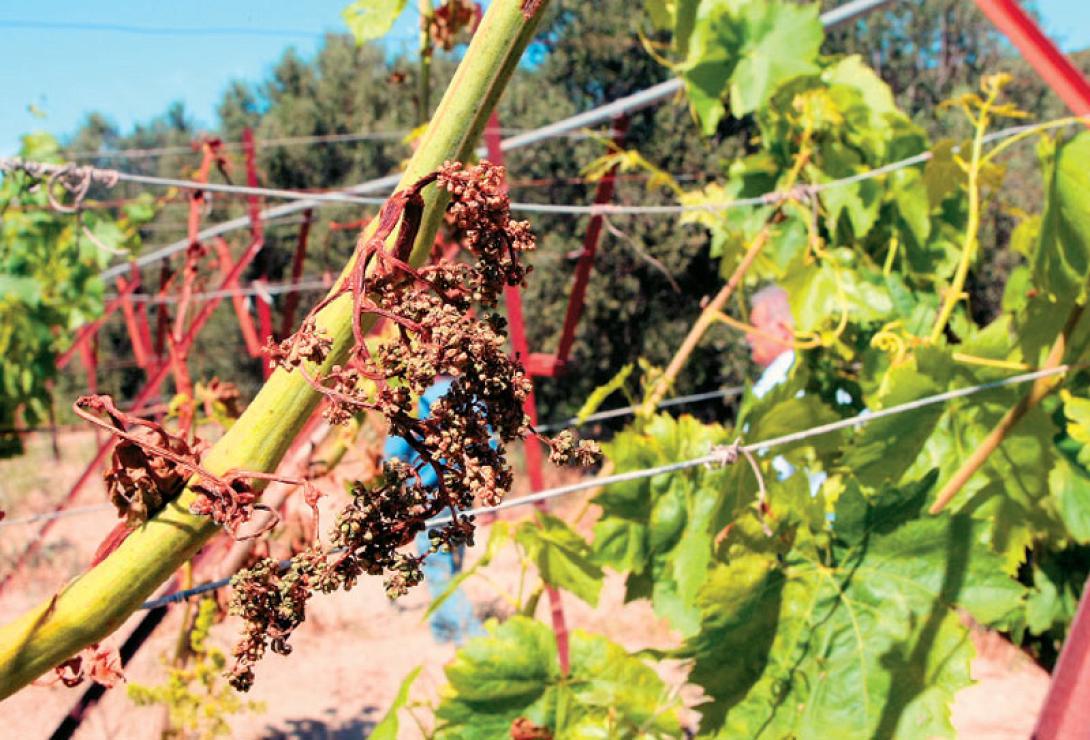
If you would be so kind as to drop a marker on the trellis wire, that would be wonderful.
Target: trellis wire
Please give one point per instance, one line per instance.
(9, 164)
(46, 516)
(287, 141)
(722, 393)
(575, 421)
(265, 289)
(713, 458)
(601, 114)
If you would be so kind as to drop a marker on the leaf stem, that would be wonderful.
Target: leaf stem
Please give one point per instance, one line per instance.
(708, 318)
(1040, 388)
(970, 242)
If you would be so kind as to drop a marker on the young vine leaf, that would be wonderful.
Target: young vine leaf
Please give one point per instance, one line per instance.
(512, 676)
(857, 629)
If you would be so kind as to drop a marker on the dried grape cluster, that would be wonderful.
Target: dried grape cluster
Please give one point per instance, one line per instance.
(445, 329)
(450, 18)
(140, 479)
(150, 466)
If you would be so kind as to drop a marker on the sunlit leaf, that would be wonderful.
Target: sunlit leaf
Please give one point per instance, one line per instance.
(368, 20)
(513, 672)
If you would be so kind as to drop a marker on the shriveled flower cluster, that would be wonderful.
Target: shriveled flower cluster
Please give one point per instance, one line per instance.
(220, 398)
(445, 328)
(140, 479)
(150, 466)
(100, 664)
(450, 18)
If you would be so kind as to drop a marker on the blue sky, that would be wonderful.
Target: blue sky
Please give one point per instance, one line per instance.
(68, 72)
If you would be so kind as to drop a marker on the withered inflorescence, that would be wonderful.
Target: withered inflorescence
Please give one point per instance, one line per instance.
(446, 327)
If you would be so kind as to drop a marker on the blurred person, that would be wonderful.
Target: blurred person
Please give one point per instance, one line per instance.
(455, 621)
(773, 350)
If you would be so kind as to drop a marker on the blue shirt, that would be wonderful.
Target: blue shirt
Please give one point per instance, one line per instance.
(397, 448)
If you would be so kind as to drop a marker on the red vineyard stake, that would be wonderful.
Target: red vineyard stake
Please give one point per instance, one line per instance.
(150, 388)
(144, 328)
(135, 320)
(263, 301)
(531, 445)
(602, 195)
(253, 202)
(242, 311)
(177, 349)
(291, 301)
(1066, 711)
(162, 316)
(88, 355)
(257, 234)
(1055, 69)
(254, 341)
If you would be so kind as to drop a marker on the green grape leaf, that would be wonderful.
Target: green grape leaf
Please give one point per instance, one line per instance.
(1016, 291)
(1062, 263)
(660, 12)
(886, 448)
(748, 49)
(678, 16)
(1026, 236)
(860, 201)
(820, 295)
(563, 558)
(780, 42)
(941, 174)
(1058, 579)
(24, 289)
(513, 672)
(661, 530)
(388, 726)
(1077, 416)
(863, 636)
(911, 198)
(713, 54)
(368, 20)
(1071, 488)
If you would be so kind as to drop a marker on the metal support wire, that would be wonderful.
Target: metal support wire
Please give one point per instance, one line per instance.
(716, 457)
(602, 114)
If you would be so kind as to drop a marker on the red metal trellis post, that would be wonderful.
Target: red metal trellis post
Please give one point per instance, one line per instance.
(531, 445)
(257, 233)
(542, 365)
(602, 195)
(135, 320)
(245, 322)
(1055, 69)
(291, 301)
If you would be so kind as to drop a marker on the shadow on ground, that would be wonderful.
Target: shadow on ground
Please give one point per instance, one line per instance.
(333, 729)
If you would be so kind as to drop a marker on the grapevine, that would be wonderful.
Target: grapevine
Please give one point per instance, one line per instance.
(907, 464)
(463, 439)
